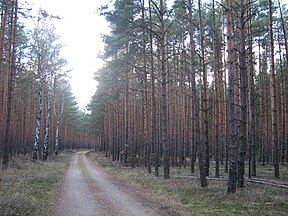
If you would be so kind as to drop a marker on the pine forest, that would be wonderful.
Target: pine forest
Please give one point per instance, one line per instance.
(191, 85)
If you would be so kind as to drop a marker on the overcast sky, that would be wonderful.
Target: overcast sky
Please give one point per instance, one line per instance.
(80, 31)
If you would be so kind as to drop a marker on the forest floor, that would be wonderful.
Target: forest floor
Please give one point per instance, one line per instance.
(89, 191)
(89, 184)
(30, 188)
(182, 192)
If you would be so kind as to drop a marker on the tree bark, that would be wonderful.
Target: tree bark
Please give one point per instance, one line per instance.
(198, 135)
(155, 145)
(11, 72)
(48, 118)
(273, 97)
(164, 109)
(252, 141)
(243, 88)
(217, 95)
(232, 184)
(205, 86)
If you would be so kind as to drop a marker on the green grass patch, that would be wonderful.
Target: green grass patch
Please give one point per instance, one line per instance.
(29, 188)
(185, 196)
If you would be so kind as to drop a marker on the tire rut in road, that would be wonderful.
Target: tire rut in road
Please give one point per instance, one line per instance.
(75, 198)
(118, 201)
(88, 191)
(97, 193)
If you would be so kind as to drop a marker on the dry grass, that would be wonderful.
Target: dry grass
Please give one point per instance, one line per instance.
(185, 195)
(28, 188)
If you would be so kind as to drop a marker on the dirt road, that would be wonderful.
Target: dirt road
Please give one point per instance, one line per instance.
(87, 190)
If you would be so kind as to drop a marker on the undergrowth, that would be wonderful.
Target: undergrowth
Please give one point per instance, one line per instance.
(185, 195)
(31, 188)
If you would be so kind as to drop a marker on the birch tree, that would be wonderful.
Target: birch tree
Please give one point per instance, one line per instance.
(46, 53)
(58, 111)
(55, 68)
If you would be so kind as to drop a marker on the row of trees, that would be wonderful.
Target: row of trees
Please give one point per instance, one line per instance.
(206, 79)
(38, 112)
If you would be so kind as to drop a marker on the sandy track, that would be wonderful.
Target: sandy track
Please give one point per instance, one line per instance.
(75, 198)
(88, 190)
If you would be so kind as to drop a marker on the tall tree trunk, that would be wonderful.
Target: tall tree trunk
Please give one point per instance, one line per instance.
(217, 95)
(58, 115)
(232, 184)
(261, 112)
(145, 95)
(192, 137)
(48, 118)
(57, 136)
(155, 146)
(127, 110)
(205, 101)
(39, 113)
(273, 97)
(283, 93)
(4, 12)
(282, 106)
(252, 141)
(243, 88)
(164, 108)
(11, 72)
(198, 134)
(132, 124)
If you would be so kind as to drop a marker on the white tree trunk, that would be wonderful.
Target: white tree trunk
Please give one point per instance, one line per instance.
(57, 127)
(38, 120)
(47, 124)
